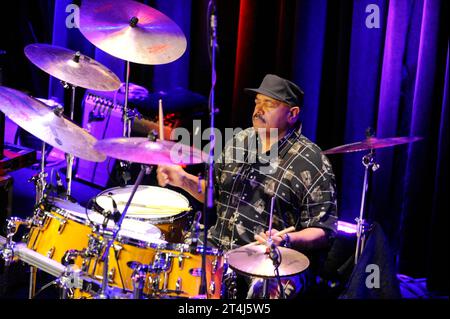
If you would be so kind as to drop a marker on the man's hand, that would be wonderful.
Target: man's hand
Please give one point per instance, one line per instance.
(170, 174)
(263, 237)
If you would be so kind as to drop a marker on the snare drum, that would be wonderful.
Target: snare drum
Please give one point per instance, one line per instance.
(162, 207)
(177, 268)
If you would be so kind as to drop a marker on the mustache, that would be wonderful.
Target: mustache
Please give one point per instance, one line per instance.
(259, 116)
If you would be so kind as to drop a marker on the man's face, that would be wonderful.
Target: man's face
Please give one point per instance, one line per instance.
(270, 113)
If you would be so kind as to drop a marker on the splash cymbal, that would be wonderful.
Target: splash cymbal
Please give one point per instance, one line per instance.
(72, 67)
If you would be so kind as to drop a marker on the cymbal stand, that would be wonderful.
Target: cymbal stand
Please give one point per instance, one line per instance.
(128, 117)
(40, 180)
(370, 165)
(40, 184)
(104, 294)
(70, 157)
(274, 255)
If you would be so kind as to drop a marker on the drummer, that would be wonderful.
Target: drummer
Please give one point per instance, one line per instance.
(289, 167)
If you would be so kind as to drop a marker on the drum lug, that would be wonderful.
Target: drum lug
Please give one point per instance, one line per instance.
(110, 276)
(212, 287)
(214, 265)
(117, 250)
(50, 252)
(155, 283)
(178, 285)
(62, 225)
(180, 261)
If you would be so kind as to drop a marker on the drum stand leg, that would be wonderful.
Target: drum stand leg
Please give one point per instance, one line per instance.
(370, 166)
(32, 286)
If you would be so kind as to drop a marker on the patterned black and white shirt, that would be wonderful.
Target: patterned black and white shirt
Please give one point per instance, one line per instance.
(299, 175)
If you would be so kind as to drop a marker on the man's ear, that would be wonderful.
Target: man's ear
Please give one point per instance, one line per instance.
(294, 113)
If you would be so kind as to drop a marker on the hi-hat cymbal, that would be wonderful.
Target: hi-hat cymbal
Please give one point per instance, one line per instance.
(131, 31)
(254, 261)
(42, 122)
(371, 143)
(142, 150)
(72, 67)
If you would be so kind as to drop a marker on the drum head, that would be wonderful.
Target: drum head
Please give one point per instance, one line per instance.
(149, 202)
(130, 231)
(69, 209)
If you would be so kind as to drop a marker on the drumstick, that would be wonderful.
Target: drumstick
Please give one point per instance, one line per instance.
(161, 121)
(280, 233)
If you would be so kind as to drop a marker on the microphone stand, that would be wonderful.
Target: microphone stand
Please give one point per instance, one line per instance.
(105, 258)
(274, 255)
(209, 196)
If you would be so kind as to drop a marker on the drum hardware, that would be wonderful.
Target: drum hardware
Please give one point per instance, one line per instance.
(110, 239)
(138, 277)
(370, 165)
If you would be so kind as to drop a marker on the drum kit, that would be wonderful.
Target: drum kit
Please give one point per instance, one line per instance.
(132, 242)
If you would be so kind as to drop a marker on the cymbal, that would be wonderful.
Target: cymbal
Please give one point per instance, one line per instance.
(131, 31)
(72, 67)
(142, 150)
(371, 143)
(42, 122)
(254, 261)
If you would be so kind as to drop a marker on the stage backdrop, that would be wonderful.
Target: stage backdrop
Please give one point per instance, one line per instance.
(366, 63)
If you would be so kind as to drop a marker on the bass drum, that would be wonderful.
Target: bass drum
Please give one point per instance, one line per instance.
(162, 207)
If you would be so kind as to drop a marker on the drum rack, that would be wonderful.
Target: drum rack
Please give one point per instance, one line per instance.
(68, 277)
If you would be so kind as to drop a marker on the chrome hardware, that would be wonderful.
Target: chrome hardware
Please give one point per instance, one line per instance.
(50, 252)
(180, 261)
(214, 265)
(178, 284)
(62, 225)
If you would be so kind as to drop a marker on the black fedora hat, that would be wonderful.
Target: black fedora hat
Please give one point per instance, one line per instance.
(280, 89)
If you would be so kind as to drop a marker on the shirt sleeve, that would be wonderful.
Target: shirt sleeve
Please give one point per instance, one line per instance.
(318, 203)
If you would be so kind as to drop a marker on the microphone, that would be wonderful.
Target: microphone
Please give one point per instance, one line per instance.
(115, 213)
(108, 214)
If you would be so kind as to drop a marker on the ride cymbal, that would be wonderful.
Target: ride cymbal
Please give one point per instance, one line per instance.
(131, 31)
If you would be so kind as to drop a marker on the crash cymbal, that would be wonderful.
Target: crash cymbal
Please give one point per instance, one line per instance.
(42, 122)
(371, 143)
(131, 31)
(142, 150)
(254, 261)
(72, 67)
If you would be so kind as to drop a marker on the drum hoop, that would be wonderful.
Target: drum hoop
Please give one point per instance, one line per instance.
(97, 207)
(65, 213)
(184, 248)
(162, 220)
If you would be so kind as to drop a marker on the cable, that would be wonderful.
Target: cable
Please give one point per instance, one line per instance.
(53, 282)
